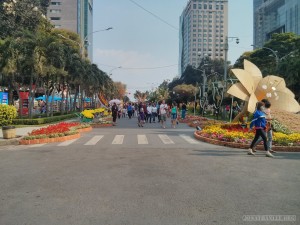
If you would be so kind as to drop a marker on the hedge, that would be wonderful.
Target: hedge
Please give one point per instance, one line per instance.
(44, 120)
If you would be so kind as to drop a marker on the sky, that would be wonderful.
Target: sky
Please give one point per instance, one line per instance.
(141, 51)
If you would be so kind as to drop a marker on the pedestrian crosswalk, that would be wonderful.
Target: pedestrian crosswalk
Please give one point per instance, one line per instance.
(139, 139)
(129, 140)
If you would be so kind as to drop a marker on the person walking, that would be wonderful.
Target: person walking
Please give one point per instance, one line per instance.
(141, 118)
(267, 111)
(183, 110)
(129, 110)
(163, 113)
(259, 121)
(174, 112)
(154, 112)
(149, 113)
(114, 112)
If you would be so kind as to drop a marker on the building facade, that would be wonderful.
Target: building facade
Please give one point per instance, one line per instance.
(76, 16)
(203, 31)
(275, 16)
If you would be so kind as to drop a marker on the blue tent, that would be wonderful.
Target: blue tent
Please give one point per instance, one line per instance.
(49, 98)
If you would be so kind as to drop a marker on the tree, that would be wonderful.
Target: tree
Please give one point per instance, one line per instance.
(120, 90)
(279, 56)
(184, 92)
(16, 16)
(140, 96)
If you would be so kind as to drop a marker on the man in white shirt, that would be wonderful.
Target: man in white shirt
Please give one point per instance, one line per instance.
(149, 112)
(163, 113)
(154, 112)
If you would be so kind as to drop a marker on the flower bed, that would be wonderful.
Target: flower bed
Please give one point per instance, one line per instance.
(92, 113)
(103, 122)
(100, 125)
(55, 133)
(234, 135)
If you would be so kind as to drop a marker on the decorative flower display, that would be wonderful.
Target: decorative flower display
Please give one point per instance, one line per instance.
(90, 113)
(253, 88)
(62, 127)
(235, 133)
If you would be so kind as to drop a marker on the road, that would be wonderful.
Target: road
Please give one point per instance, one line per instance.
(134, 176)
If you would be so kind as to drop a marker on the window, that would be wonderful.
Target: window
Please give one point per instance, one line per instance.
(205, 6)
(210, 6)
(55, 11)
(55, 3)
(222, 7)
(54, 18)
(194, 6)
(199, 6)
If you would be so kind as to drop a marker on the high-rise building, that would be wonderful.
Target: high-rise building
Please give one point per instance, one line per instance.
(275, 16)
(76, 16)
(203, 31)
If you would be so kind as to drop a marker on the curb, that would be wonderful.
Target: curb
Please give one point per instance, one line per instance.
(244, 146)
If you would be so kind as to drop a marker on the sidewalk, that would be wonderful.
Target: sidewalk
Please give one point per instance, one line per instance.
(22, 131)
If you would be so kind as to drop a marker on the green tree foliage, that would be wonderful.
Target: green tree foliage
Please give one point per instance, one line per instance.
(16, 16)
(283, 60)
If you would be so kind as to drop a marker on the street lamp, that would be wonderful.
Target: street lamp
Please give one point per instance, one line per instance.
(118, 67)
(226, 48)
(275, 53)
(85, 42)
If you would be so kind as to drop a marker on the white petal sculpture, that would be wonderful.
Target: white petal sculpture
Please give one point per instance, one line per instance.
(253, 88)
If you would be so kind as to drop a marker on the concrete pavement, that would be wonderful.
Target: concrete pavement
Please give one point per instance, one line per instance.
(154, 184)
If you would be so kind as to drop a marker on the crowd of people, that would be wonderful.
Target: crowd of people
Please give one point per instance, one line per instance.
(149, 112)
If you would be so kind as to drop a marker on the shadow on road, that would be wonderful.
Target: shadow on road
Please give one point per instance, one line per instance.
(238, 152)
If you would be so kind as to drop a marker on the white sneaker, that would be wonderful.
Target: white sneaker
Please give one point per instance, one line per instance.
(269, 154)
(250, 152)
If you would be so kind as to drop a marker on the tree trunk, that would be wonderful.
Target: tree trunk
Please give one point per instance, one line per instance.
(75, 98)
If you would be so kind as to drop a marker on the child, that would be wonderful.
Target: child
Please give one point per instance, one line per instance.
(141, 118)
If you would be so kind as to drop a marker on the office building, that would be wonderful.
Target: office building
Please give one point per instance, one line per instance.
(275, 16)
(76, 16)
(203, 31)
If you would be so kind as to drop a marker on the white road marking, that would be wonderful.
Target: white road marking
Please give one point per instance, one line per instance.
(142, 139)
(36, 145)
(165, 139)
(189, 139)
(94, 140)
(66, 143)
(118, 140)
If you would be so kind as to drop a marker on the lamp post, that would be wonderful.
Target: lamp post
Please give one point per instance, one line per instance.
(87, 36)
(118, 67)
(226, 48)
(275, 53)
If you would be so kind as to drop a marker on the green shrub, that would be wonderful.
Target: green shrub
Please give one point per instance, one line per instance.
(38, 121)
(279, 127)
(7, 114)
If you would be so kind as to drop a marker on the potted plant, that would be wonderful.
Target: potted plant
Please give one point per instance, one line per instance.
(7, 114)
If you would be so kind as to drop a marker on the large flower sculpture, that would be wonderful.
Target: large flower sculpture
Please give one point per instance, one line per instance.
(253, 88)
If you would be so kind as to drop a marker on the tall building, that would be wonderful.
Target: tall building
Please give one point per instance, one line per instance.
(275, 16)
(203, 31)
(76, 16)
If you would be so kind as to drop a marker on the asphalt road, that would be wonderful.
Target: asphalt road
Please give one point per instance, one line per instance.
(134, 176)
